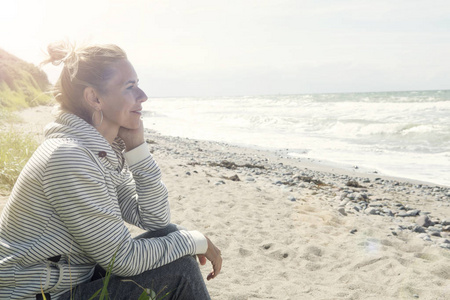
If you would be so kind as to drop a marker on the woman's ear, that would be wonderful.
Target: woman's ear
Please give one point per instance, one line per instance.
(91, 98)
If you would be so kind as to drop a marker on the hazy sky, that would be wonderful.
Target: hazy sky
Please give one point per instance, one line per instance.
(249, 47)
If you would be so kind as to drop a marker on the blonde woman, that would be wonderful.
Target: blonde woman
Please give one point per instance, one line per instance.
(64, 221)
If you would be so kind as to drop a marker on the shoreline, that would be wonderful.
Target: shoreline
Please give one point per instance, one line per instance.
(292, 229)
(309, 163)
(335, 167)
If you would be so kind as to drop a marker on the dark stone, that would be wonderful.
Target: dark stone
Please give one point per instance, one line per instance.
(424, 221)
(419, 229)
(235, 178)
(435, 233)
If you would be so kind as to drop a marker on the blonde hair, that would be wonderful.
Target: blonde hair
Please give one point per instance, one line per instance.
(88, 66)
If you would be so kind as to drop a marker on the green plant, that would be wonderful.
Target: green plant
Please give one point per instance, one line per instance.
(147, 294)
(104, 290)
(8, 117)
(15, 150)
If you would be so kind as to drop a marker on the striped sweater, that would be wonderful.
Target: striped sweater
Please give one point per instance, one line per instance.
(71, 201)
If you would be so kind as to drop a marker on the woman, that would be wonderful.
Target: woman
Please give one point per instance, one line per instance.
(65, 216)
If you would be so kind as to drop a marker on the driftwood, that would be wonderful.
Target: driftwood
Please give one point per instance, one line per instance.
(354, 184)
(233, 166)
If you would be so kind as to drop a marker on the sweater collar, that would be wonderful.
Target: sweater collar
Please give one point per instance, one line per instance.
(70, 126)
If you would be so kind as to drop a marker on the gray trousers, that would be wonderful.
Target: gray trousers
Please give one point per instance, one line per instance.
(182, 279)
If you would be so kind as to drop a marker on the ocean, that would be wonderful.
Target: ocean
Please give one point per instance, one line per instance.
(402, 134)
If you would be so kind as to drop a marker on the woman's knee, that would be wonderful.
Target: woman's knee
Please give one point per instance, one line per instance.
(159, 233)
(183, 266)
(189, 261)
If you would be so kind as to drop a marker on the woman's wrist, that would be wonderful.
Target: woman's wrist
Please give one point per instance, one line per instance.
(137, 154)
(201, 243)
(130, 145)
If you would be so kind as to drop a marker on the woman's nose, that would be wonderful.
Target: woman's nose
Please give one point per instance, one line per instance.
(142, 97)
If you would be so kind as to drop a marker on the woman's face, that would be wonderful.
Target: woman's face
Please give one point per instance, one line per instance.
(122, 102)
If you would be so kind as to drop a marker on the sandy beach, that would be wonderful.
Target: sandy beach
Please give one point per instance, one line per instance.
(291, 229)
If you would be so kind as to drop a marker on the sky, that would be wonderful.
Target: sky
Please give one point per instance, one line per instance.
(248, 47)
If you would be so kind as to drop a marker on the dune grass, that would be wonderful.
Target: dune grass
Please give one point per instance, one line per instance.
(8, 117)
(22, 85)
(15, 149)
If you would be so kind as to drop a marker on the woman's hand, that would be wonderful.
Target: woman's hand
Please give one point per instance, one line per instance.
(213, 254)
(132, 137)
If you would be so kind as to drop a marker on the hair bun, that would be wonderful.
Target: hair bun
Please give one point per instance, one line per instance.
(59, 52)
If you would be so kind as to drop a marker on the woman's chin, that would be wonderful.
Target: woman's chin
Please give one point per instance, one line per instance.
(133, 126)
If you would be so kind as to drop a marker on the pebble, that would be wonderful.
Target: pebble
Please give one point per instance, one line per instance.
(409, 213)
(434, 229)
(443, 241)
(418, 229)
(357, 208)
(387, 212)
(371, 211)
(424, 221)
(424, 237)
(341, 210)
(343, 203)
(444, 245)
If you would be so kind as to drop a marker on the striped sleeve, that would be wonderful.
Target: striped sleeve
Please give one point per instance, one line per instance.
(75, 186)
(144, 200)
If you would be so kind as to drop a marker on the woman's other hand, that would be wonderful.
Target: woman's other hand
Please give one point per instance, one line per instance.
(213, 254)
(132, 137)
